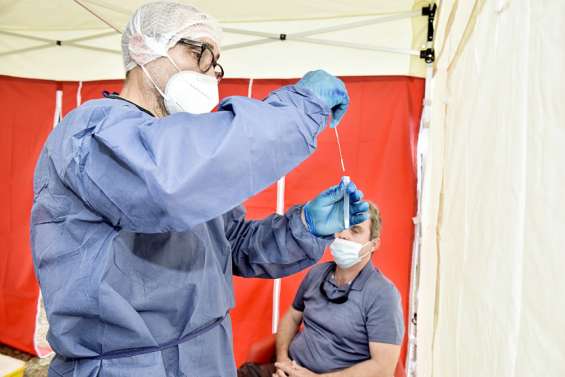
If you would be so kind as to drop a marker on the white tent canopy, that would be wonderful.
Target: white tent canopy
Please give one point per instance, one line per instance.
(77, 40)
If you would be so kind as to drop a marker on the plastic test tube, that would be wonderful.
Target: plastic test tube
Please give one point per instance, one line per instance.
(346, 181)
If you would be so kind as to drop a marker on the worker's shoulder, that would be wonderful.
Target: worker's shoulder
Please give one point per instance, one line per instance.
(96, 111)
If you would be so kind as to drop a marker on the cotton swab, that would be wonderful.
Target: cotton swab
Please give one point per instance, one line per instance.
(346, 181)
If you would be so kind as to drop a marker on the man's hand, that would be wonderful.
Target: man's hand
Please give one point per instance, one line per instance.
(282, 360)
(279, 372)
(291, 369)
(288, 327)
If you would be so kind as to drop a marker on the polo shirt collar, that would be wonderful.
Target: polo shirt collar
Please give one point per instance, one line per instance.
(360, 280)
(364, 275)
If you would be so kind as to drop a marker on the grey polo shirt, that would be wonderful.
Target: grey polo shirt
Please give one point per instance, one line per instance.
(337, 336)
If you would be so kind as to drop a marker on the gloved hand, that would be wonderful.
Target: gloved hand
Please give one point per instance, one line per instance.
(324, 215)
(329, 89)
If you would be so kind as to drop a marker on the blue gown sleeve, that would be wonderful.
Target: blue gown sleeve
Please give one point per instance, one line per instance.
(154, 175)
(273, 247)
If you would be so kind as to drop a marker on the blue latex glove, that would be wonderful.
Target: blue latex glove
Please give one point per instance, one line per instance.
(329, 89)
(324, 214)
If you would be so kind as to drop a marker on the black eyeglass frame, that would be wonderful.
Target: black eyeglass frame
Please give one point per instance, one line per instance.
(205, 46)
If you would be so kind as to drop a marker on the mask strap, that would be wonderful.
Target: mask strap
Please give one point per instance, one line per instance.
(151, 78)
(152, 81)
(367, 253)
(173, 62)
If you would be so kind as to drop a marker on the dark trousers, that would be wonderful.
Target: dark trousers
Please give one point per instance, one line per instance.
(256, 370)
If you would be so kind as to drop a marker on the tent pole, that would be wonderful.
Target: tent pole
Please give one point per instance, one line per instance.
(97, 16)
(328, 29)
(355, 45)
(428, 55)
(57, 43)
(31, 37)
(277, 282)
(254, 42)
(352, 25)
(22, 50)
(273, 37)
(90, 37)
(35, 48)
(326, 42)
(92, 48)
(411, 355)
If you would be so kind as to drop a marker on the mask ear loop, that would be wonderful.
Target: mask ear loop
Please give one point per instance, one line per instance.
(151, 78)
(152, 81)
(367, 253)
(173, 62)
(178, 70)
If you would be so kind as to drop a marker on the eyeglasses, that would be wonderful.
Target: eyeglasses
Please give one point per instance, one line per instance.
(206, 58)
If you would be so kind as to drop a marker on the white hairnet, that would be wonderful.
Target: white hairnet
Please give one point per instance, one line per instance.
(156, 27)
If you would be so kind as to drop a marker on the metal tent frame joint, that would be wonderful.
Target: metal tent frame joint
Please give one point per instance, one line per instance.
(430, 12)
(428, 55)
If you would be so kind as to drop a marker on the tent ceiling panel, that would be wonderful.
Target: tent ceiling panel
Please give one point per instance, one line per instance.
(66, 14)
(88, 49)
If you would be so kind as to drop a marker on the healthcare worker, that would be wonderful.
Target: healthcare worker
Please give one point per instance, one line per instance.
(137, 226)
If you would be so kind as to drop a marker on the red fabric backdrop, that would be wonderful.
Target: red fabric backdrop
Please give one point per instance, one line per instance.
(25, 121)
(378, 137)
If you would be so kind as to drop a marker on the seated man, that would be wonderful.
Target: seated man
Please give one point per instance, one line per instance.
(352, 314)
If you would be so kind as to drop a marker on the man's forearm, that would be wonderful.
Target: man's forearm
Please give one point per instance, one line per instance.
(286, 332)
(369, 368)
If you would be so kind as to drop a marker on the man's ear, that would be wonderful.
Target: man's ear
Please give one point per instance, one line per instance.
(376, 243)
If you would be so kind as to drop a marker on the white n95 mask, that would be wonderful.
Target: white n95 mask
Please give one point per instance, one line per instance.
(188, 91)
(191, 92)
(346, 253)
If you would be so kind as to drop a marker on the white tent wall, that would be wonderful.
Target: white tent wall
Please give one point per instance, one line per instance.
(491, 280)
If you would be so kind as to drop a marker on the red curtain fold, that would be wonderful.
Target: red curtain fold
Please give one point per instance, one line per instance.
(28, 109)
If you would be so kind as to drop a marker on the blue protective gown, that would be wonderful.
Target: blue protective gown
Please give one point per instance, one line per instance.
(137, 229)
